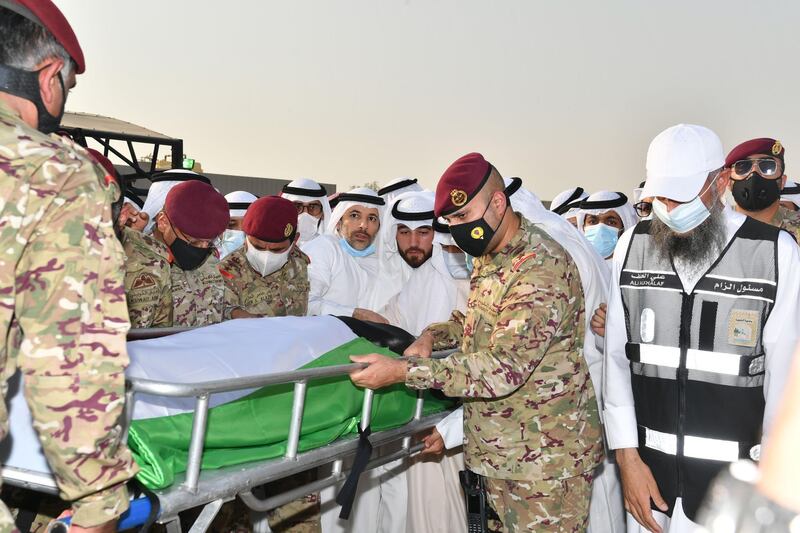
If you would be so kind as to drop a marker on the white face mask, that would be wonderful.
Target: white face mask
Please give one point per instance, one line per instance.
(456, 265)
(265, 262)
(307, 227)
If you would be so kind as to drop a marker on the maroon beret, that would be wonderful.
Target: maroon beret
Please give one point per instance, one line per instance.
(460, 183)
(104, 162)
(764, 145)
(271, 219)
(197, 209)
(46, 14)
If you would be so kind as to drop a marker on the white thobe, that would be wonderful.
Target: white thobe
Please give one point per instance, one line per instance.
(435, 500)
(339, 282)
(430, 295)
(779, 339)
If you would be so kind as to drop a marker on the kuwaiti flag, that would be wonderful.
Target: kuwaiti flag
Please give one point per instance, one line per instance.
(243, 426)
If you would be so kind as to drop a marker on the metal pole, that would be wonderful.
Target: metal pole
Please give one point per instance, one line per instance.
(366, 408)
(198, 439)
(128, 410)
(298, 402)
(418, 406)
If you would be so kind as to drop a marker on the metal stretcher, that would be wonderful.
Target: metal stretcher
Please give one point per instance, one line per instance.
(210, 489)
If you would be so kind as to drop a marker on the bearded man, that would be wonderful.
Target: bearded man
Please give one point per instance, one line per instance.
(701, 328)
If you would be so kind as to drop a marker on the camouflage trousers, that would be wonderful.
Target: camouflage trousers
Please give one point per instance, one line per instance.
(6, 520)
(556, 506)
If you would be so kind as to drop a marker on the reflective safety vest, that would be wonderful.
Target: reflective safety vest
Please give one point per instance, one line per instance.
(697, 359)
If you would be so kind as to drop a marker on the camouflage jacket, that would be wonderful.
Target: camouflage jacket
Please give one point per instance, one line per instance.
(282, 293)
(529, 406)
(148, 288)
(63, 313)
(788, 220)
(197, 295)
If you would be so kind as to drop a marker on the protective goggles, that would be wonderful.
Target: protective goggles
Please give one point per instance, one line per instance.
(768, 168)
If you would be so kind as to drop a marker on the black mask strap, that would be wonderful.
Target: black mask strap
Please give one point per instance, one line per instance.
(25, 84)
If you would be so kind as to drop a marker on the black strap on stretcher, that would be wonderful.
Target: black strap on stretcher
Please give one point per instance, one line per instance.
(347, 495)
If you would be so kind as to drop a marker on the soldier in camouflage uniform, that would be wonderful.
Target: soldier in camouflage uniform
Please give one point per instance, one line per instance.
(63, 307)
(530, 418)
(787, 219)
(268, 276)
(757, 177)
(148, 286)
(194, 216)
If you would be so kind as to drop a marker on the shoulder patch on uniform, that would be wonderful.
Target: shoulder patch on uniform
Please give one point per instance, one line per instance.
(225, 273)
(519, 261)
(143, 280)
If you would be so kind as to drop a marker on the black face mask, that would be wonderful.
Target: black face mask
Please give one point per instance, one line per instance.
(756, 193)
(187, 256)
(473, 237)
(116, 210)
(25, 84)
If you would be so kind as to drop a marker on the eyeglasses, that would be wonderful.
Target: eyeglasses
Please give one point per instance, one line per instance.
(197, 243)
(314, 209)
(643, 209)
(768, 168)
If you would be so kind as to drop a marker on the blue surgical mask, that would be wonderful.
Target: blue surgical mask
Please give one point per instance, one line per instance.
(686, 216)
(603, 238)
(468, 259)
(369, 250)
(232, 240)
(683, 218)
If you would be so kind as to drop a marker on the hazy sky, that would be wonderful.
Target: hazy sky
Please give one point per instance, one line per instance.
(347, 91)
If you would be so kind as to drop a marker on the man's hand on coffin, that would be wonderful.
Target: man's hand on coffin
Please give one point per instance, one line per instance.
(381, 372)
(434, 443)
(422, 347)
(241, 313)
(369, 316)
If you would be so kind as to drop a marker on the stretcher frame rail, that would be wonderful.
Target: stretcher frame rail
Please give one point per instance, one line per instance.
(220, 485)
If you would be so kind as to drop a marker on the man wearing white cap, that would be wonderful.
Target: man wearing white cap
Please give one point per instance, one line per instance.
(602, 218)
(566, 204)
(701, 328)
(161, 184)
(396, 187)
(233, 238)
(313, 209)
(344, 266)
